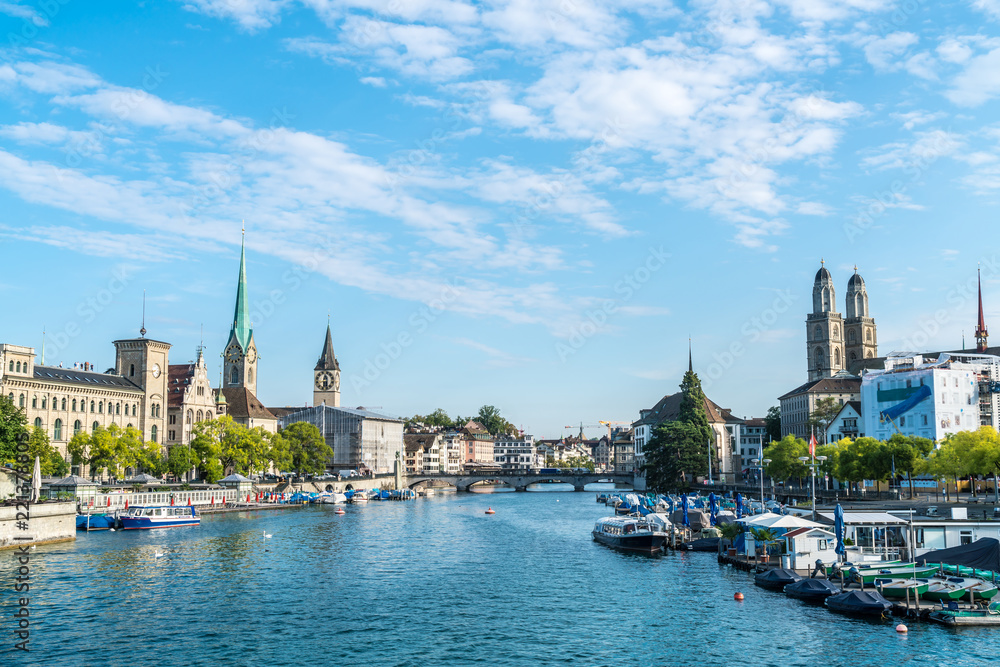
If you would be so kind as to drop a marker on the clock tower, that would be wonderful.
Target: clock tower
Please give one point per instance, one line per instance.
(240, 354)
(326, 375)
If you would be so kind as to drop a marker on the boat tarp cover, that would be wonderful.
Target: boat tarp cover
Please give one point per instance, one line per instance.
(920, 394)
(983, 554)
(860, 601)
(778, 575)
(813, 587)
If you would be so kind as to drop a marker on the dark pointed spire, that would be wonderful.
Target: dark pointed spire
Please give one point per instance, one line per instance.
(241, 317)
(327, 360)
(690, 362)
(981, 333)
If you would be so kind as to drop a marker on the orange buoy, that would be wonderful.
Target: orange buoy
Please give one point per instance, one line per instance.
(902, 629)
(339, 510)
(738, 597)
(490, 511)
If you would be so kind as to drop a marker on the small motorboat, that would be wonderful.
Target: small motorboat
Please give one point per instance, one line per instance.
(859, 602)
(703, 544)
(100, 521)
(869, 575)
(953, 615)
(776, 579)
(812, 590)
(902, 588)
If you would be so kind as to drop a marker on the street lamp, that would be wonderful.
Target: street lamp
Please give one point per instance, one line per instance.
(758, 463)
(813, 466)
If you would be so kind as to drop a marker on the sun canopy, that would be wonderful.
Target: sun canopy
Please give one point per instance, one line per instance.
(983, 554)
(779, 521)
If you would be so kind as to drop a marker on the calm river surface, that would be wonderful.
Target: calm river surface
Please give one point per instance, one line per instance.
(430, 582)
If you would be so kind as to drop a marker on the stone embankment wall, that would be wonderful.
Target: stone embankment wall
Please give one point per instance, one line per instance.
(47, 522)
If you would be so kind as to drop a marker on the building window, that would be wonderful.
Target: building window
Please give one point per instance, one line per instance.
(77, 426)
(19, 367)
(250, 375)
(118, 408)
(126, 409)
(909, 383)
(63, 406)
(152, 433)
(34, 401)
(234, 376)
(38, 422)
(12, 367)
(92, 406)
(100, 407)
(173, 435)
(21, 401)
(902, 421)
(925, 420)
(134, 408)
(171, 419)
(94, 427)
(131, 370)
(958, 420)
(44, 402)
(57, 430)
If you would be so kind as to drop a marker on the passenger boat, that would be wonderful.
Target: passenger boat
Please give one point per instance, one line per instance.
(859, 602)
(629, 534)
(776, 579)
(897, 588)
(144, 518)
(812, 590)
(952, 615)
(100, 521)
(959, 588)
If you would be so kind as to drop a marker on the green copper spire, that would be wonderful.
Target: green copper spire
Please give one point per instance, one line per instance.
(241, 318)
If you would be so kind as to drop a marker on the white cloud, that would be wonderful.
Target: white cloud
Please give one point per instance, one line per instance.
(43, 133)
(989, 7)
(17, 10)
(884, 53)
(979, 82)
(927, 148)
(250, 15)
(954, 51)
(497, 358)
(374, 81)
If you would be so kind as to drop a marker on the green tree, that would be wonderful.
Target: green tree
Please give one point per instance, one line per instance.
(49, 459)
(13, 429)
(179, 461)
(491, 419)
(580, 462)
(765, 537)
(79, 448)
(822, 416)
(784, 455)
(149, 458)
(772, 423)
(439, 418)
(674, 453)
(279, 452)
(692, 408)
(307, 448)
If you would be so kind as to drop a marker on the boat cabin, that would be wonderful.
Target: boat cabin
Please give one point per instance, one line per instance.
(180, 510)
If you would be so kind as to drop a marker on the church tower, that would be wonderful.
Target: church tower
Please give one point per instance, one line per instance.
(824, 329)
(326, 375)
(240, 355)
(859, 327)
(981, 333)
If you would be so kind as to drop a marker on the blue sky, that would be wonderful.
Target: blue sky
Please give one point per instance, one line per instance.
(530, 204)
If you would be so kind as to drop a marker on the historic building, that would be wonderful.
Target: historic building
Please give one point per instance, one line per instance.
(67, 401)
(478, 444)
(326, 375)
(190, 399)
(515, 453)
(239, 366)
(360, 439)
(798, 405)
(834, 344)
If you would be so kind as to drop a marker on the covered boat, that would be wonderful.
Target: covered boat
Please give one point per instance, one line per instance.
(629, 534)
(95, 521)
(703, 544)
(776, 579)
(813, 590)
(859, 602)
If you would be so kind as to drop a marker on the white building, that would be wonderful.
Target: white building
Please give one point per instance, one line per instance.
(452, 449)
(753, 434)
(847, 424)
(930, 398)
(512, 454)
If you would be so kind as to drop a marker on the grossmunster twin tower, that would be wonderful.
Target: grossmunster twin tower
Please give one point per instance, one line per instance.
(836, 343)
(143, 390)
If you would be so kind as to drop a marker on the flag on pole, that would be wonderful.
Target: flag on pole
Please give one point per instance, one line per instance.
(812, 445)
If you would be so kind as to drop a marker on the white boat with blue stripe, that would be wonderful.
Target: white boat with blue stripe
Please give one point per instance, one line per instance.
(144, 518)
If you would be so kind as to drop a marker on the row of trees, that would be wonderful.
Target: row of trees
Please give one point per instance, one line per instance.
(572, 463)
(489, 416)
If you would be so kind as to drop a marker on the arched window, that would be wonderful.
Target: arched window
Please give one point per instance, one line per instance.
(38, 422)
(63, 404)
(189, 417)
(11, 366)
(94, 427)
(234, 375)
(129, 426)
(19, 367)
(44, 401)
(11, 396)
(836, 332)
(200, 415)
(92, 405)
(868, 336)
(131, 370)
(854, 357)
(74, 405)
(851, 338)
(57, 430)
(152, 433)
(77, 426)
(134, 408)
(100, 407)
(126, 409)
(118, 408)
(836, 357)
(818, 356)
(818, 333)
(21, 401)
(869, 354)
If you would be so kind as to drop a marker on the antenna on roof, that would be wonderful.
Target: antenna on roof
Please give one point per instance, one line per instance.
(43, 345)
(142, 330)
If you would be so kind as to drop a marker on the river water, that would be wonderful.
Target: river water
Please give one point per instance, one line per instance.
(429, 582)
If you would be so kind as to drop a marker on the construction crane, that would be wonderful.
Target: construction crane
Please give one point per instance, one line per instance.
(608, 424)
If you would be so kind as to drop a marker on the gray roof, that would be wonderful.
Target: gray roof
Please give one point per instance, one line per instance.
(235, 477)
(73, 480)
(54, 374)
(142, 479)
(364, 414)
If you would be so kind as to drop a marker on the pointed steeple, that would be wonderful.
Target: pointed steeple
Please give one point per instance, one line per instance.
(690, 363)
(241, 317)
(981, 333)
(327, 359)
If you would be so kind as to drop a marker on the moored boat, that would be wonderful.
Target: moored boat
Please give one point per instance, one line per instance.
(862, 566)
(90, 522)
(144, 518)
(869, 575)
(629, 534)
(989, 615)
(859, 602)
(776, 579)
(811, 590)
(959, 588)
(902, 588)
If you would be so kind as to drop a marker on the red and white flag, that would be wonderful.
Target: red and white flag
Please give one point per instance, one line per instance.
(812, 445)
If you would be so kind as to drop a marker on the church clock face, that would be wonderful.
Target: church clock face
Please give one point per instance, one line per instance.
(233, 353)
(336, 381)
(252, 355)
(324, 380)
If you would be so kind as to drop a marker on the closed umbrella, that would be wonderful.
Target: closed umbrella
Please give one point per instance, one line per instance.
(713, 508)
(739, 506)
(838, 529)
(36, 481)
(684, 508)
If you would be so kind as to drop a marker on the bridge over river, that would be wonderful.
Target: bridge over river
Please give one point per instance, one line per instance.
(519, 480)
